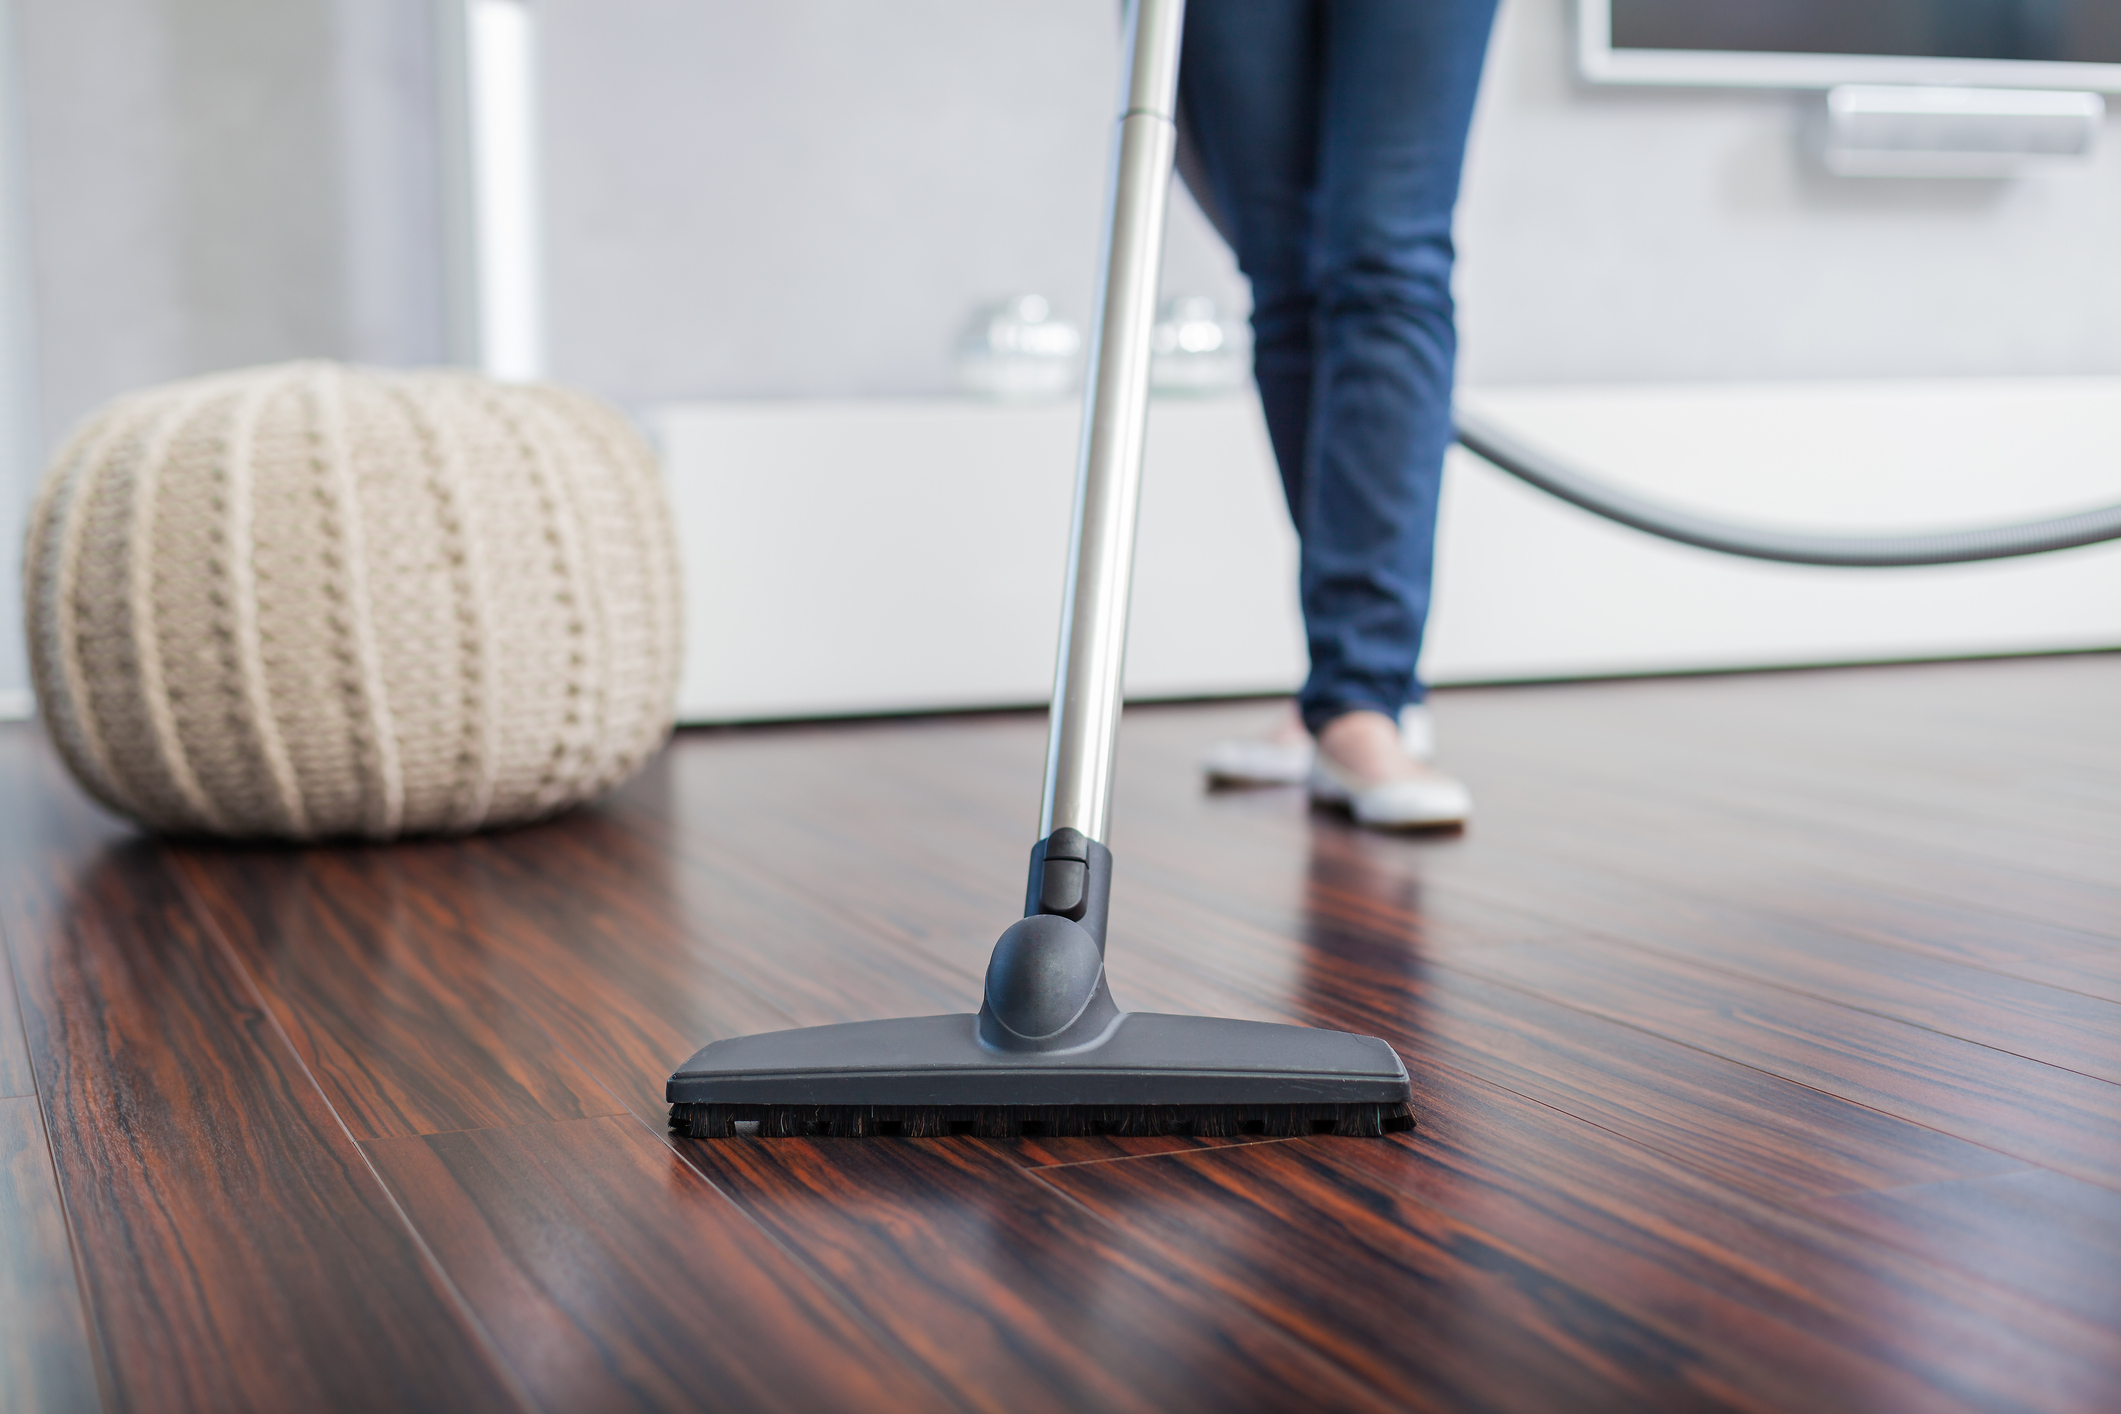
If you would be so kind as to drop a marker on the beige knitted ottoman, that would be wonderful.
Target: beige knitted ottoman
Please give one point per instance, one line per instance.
(310, 600)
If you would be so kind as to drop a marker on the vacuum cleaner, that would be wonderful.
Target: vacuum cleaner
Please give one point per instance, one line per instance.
(1049, 1051)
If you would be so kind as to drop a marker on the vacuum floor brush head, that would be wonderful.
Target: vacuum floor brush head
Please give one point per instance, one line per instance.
(1098, 1071)
(1035, 1121)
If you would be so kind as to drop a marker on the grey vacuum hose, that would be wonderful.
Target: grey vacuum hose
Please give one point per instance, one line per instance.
(1994, 542)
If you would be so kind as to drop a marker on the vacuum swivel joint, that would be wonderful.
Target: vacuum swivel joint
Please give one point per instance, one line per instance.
(1046, 987)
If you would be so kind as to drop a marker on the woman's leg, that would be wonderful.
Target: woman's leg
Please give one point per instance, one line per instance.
(1248, 89)
(1395, 103)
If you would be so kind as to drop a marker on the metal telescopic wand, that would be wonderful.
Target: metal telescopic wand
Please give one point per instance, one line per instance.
(1084, 731)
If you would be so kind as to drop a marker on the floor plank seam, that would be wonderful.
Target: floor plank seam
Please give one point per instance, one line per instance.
(1873, 822)
(1160, 1154)
(1536, 849)
(825, 1281)
(2112, 1181)
(1478, 894)
(863, 924)
(1812, 866)
(1646, 1317)
(2000, 916)
(1895, 846)
(100, 1358)
(1709, 966)
(1984, 966)
(1902, 856)
(1887, 940)
(1799, 1209)
(486, 1128)
(1936, 1182)
(498, 1365)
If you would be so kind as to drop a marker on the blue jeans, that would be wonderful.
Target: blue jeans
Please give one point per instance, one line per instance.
(1332, 133)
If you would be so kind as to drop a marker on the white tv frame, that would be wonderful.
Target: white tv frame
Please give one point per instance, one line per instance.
(1600, 62)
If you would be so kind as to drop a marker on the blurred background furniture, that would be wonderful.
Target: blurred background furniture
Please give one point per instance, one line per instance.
(904, 554)
(307, 601)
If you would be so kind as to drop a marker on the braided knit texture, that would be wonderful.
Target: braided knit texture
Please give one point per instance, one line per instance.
(313, 601)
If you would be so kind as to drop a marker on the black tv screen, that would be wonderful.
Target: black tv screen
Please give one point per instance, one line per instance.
(2069, 31)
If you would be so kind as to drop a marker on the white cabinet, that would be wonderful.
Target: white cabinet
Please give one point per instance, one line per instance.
(905, 555)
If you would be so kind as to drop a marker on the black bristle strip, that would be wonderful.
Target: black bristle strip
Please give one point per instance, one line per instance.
(708, 1121)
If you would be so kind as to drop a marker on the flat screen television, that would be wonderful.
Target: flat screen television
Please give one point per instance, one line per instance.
(1820, 43)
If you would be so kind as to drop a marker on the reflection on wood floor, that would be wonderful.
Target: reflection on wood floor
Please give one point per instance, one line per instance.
(1765, 1034)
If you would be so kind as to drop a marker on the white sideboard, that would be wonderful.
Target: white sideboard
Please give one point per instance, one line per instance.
(903, 555)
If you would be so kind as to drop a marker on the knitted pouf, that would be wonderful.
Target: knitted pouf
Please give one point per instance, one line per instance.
(310, 600)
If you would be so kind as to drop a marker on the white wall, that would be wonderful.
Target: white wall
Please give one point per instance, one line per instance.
(1621, 234)
(218, 182)
(802, 199)
(807, 198)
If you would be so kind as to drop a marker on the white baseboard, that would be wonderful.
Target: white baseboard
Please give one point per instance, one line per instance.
(907, 555)
(17, 704)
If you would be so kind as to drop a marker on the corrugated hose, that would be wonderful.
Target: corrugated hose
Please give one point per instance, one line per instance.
(1950, 547)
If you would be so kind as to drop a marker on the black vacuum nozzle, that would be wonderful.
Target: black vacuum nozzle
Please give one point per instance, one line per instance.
(1049, 1053)
(1147, 1074)
(1035, 1121)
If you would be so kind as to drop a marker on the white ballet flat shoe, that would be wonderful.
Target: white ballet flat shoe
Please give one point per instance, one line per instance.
(1254, 761)
(1410, 803)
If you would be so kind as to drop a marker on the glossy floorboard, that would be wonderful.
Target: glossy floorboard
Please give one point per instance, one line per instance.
(1766, 1033)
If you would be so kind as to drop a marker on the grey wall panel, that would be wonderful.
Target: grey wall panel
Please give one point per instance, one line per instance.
(100, 170)
(1617, 234)
(389, 176)
(803, 199)
(19, 441)
(806, 198)
(212, 183)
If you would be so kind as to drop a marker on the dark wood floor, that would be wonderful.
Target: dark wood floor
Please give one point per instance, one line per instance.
(1765, 1034)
